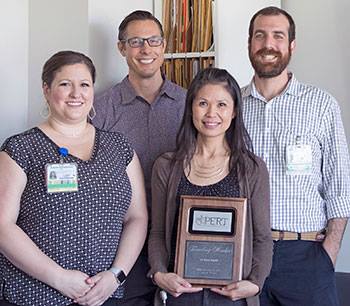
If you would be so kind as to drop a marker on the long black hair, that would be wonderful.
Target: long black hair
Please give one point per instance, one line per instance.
(236, 135)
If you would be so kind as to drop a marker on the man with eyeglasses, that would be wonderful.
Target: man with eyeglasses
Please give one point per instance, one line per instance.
(146, 108)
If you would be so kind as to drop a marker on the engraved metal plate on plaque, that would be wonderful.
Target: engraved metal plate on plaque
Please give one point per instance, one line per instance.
(209, 249)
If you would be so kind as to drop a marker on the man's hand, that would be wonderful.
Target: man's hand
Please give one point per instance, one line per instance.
(334, 236)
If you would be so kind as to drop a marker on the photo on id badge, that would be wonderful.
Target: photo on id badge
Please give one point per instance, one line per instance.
(62, 177)
(298, 158)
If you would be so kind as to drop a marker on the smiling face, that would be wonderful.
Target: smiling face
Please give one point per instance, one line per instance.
(269, 49)
(144, 61)
(212, 110)
(70, 95)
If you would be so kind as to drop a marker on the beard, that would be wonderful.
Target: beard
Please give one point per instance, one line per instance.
(269, 70)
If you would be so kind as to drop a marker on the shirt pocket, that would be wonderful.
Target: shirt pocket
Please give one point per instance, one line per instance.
(286, 137)
(308, 184)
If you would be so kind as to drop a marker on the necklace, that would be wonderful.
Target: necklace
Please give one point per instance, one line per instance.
(209, 170)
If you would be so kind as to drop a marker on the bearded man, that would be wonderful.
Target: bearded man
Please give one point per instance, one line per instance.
(298, 131)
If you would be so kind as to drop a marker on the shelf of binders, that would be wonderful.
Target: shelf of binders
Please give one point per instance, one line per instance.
(189, 55)
(188, 30)
(181, 68)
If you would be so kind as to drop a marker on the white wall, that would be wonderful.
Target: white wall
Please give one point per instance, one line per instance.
(105, 16)
(104, 19)
(231, 41)
(14, 67)
(322, 58)
(53, 26)
(34, 29)
(91, 27)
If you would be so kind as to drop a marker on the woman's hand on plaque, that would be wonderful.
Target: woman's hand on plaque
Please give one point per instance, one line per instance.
(174, 284)
(238, 290)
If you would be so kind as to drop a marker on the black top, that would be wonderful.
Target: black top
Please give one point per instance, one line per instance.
(78, 230)
(227, 187)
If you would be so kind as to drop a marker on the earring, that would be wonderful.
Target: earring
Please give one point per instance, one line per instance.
(93, 115)
(45, 112)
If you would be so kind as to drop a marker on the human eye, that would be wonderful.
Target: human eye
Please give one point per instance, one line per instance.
(155, 41)
(202, 103)
(279, 36)
(64, 84)
(135, 42)
(258, 35)
(222, 104)
(85, 84)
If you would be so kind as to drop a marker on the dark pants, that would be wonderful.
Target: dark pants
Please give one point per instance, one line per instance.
(302, 274)
(109, 302)
(4, 303)
(203, 298)
(139, 289)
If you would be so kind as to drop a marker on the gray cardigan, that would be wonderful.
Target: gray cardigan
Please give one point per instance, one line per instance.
(258, 243)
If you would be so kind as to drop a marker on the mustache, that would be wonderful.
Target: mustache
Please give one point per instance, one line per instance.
(266, 51)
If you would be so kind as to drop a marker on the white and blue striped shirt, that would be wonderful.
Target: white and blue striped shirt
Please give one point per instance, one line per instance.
(301, 203)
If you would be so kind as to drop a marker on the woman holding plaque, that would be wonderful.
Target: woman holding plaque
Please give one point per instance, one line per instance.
(213, 158)
(73, 215)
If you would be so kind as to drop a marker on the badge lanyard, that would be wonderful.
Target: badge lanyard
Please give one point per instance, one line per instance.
(62, 177)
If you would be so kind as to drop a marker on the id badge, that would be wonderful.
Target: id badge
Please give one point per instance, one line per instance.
(299, 159)
(62, 177)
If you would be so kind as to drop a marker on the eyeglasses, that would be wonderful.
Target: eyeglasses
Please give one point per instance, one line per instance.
(137, 42)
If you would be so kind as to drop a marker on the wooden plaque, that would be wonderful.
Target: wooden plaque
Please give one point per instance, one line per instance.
(210, 240)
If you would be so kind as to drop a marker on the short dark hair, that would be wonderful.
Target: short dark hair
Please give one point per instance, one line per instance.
(273, 11)
(236, 135)
(63, 58)
(134, 16)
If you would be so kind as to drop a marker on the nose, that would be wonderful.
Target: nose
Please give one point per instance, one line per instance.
(146, 48)
(269, 42)
(211, 110)
(75, 92)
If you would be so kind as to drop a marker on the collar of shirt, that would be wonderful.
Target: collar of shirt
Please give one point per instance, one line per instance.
(293, 88)
(129, 94)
